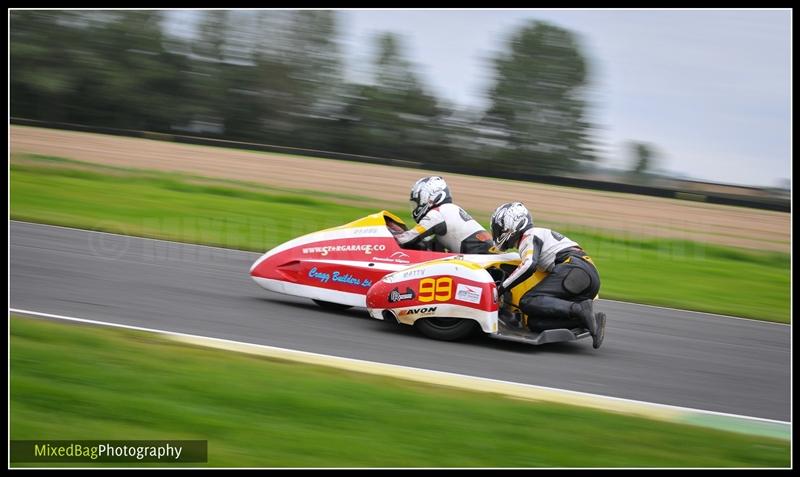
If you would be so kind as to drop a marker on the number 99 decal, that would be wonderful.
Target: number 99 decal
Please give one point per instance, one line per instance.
(439, 289)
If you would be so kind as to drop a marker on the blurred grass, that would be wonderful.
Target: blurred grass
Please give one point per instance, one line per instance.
(183, 208)
(73, 381)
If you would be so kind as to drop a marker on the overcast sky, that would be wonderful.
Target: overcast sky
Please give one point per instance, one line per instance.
(709, 88)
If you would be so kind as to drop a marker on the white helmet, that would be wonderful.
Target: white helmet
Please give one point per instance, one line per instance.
(509, 221)
(427, 193)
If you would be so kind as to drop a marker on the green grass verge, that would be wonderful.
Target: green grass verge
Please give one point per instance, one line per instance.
(82, 382)
(183, 208)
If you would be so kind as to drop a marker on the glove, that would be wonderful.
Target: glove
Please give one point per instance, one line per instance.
(428, 243)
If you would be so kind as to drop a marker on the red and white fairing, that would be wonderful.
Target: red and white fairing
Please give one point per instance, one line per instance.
(337, 265)
(447, 288)
(361, 264)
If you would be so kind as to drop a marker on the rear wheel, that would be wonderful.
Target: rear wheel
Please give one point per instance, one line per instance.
(326, 305)
(447, 329)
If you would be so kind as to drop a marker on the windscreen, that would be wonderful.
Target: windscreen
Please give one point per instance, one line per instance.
(394, 227)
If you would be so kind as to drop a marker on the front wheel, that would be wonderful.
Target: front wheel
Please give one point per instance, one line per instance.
(326, 305)
(447, 329)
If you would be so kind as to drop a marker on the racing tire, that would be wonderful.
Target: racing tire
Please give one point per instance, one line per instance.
(326, 305)
(446, 329)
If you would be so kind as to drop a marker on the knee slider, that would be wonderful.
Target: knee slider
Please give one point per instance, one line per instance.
(577, 281)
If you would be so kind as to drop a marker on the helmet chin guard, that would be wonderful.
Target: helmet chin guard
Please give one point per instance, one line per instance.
(509, 222)
(418, 211)
(427, 193)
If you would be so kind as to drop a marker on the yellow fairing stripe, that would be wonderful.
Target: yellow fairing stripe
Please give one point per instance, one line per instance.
(371, 220)
(455, 261)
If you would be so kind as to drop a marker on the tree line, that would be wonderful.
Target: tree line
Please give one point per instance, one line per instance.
(278, 77)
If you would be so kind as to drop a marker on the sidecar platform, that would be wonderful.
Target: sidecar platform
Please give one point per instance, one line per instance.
(524, 335)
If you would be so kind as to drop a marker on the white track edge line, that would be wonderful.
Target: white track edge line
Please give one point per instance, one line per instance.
(443, 373)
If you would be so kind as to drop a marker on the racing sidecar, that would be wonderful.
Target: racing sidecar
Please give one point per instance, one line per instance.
(445, 295)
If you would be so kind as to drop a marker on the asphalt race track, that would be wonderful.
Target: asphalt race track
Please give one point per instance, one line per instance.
(650, 354)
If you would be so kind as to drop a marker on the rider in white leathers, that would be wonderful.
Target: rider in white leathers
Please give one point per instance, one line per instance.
(438, 218)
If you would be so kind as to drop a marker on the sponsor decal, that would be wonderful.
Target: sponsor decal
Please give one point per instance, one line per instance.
(339, 277)
(366, 248)
(383, 259)
(369, 231)
(395, 295)
(317, 275)
(468, 293)
(418, 311)
(397, 257)
(556, 235)
(438, 289)
(419, 272)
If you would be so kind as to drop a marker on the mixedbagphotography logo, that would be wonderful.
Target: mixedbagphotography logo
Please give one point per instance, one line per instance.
(163, 451)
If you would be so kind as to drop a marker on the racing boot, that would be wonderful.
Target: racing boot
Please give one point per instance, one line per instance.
(597, 339)
(583, 310)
